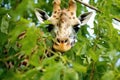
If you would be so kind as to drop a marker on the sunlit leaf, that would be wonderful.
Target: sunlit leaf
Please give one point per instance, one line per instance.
(53, 72)
(4, 25)
(108, 76)
(70, 74)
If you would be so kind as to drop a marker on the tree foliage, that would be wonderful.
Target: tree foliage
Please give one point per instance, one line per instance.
(25, 44)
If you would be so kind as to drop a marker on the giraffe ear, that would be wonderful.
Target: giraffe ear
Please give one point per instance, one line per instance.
(41, 15)
(85, 17)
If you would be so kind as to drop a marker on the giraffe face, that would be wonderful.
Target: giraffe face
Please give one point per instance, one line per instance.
(65, 24)
(65, 36)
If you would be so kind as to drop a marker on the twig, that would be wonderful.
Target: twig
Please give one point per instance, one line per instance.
(90, 6)
(94, 8)
(9, 57)
(93, 71)
(116, 19)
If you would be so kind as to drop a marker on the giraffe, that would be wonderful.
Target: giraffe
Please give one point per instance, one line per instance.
(64, 23)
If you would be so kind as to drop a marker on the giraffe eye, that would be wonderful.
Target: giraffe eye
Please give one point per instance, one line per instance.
(50, 27)
(76, 27)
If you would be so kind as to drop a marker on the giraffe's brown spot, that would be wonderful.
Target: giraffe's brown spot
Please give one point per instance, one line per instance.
(74, 17)
(54, 2)
(58, 9)
(69, 17)
(57, 18)
(57, 24)
(72, 13)
(64, 13)
(55, 12)
(54, 16)
(62, 21)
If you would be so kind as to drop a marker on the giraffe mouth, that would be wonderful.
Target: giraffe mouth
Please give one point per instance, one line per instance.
(62, 47)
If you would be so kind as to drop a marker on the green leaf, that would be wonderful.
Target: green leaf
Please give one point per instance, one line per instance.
(109, 75)
(70, 74)
(1, 71)
(3, 38)
(94, 56)
(30, 41)
(49, 61)
(32, 74)
(4, 24)
(20, 27)
(53, 72)
(34, 60)
(80, 68)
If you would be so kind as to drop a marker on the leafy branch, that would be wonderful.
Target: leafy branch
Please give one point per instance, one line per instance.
(94, 8)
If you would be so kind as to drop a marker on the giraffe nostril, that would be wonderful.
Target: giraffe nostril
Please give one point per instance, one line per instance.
(61, 41)
(66, 41)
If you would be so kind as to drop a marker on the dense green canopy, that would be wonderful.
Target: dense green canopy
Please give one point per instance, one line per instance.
(25, 44)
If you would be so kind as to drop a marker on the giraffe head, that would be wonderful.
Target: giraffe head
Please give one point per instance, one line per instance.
(65, 24)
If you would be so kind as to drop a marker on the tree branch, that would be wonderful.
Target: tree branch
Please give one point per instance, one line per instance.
(92, 71)
(94, 8)
(90, 6)
(116, 19)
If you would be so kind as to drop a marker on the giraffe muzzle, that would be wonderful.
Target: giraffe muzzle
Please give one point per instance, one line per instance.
(62, 45)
